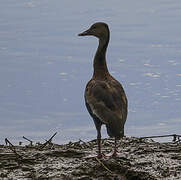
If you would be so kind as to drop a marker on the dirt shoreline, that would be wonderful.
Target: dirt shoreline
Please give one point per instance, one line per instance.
(138, 159)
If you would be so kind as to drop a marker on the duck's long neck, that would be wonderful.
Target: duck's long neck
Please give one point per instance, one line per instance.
(100, 66)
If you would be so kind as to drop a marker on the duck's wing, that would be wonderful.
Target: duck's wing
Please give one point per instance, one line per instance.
(107, 101)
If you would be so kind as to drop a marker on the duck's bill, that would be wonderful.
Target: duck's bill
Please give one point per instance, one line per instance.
(85, 33)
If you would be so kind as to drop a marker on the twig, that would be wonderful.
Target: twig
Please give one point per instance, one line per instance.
(48, 142)
(84, 144)
(31, 142)
(175, 136)
(106, 168)
(12, 147)
(179, 139)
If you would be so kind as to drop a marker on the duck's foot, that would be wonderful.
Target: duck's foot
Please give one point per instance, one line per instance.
(101, 156)
(115, 154)
(91, 156)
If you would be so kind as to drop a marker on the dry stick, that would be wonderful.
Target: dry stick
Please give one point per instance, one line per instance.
(174, 136)
(47, 142)
(84, 143)
(12, 148)
(104, 166)
(31, 142)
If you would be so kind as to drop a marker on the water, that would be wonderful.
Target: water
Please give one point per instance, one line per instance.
(44, 66)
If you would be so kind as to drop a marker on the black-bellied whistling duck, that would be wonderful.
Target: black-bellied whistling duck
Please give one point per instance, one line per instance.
(104, 96)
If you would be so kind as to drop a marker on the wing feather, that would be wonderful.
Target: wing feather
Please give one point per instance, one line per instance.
(107, 101)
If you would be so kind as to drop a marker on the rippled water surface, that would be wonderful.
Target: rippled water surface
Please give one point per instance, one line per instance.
(44, 66)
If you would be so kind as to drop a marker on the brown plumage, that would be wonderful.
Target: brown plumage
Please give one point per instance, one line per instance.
(104, 96)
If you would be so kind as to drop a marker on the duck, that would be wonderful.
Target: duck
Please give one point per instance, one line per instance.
(105, 97)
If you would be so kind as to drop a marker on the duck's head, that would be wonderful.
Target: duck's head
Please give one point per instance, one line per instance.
(99, 30)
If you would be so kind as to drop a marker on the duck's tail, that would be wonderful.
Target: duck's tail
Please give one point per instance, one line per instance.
(115, 129)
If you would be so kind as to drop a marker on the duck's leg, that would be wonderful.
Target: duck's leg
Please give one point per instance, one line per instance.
(100, 155)
(98, 125)
(115, 153)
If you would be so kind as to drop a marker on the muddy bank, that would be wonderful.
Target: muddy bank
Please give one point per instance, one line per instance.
(138, 159)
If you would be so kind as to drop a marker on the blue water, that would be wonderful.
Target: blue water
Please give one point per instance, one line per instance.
(44, 66)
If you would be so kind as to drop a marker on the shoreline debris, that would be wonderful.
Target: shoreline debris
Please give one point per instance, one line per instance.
(138, 159)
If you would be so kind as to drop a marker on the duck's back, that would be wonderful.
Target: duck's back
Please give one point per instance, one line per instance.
(106, 101)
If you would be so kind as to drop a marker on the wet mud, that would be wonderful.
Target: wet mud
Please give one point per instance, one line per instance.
(138, 159)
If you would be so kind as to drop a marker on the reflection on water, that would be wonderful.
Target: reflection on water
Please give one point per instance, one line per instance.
(45, 66)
